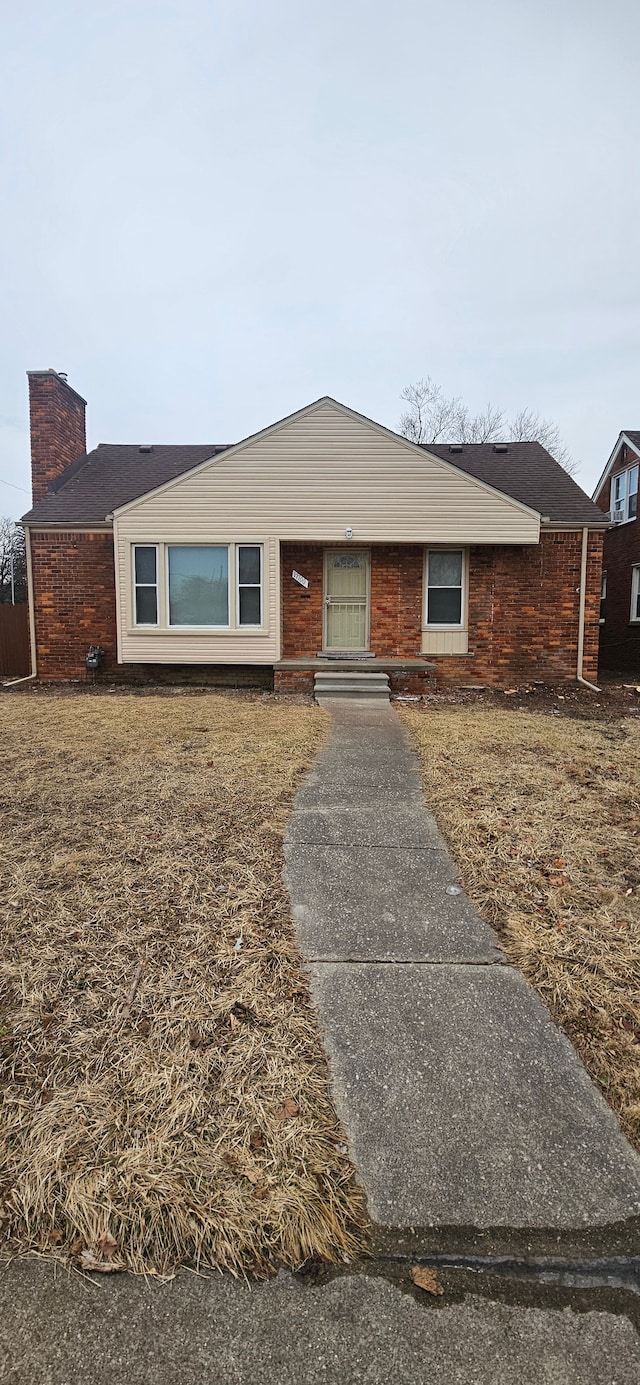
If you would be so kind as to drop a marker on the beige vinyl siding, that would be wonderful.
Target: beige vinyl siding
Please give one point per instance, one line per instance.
(151, 645)
(309, 478)
(445, 642)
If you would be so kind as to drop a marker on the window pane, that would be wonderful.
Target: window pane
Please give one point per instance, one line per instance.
(445, 569)
(249, 606)
(198, 585)
(146, 606)
(444, 606)
(146, 565)
(633, 506)
(633, 481)
(249, 564)
(618, 489)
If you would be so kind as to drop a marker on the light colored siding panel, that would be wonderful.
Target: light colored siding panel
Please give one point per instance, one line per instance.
(310, 479)
(445, 642)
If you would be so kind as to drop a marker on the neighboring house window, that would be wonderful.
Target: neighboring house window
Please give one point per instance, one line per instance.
(249, 607)
(445, 587)
(635, 593)
(603, 597)
(145, 570)
(625, 492)
(198, 584)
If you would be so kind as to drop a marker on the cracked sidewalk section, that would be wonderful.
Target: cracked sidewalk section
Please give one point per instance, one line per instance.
(464, 1103)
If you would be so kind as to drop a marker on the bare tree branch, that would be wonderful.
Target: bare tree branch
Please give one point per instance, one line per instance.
(12, 546)
(432, 417)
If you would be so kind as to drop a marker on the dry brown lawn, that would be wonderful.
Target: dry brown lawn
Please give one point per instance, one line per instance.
(163, 1090)
(542, 813)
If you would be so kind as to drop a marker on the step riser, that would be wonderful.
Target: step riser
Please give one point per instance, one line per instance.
(372, 687)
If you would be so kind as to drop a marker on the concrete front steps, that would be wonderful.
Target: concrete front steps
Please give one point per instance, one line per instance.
(372, 686)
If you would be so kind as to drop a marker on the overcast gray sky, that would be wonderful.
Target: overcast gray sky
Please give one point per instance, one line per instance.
(213, 213)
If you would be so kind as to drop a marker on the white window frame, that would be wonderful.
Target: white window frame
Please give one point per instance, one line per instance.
(163, 623)
(625, 478)
(250, 586)
(204, 628)
(446, 548)
(635, 592)
(146, 624)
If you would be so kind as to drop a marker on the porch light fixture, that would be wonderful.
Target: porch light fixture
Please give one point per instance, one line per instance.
(348, 533)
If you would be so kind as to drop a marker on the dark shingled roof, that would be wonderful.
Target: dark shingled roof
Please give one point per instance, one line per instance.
(633, 435)
(112, 475)
(527, 472)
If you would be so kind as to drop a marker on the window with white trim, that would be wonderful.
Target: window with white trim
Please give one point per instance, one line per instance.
(249, 602)
(445, 588)
(145, 581)
(635, 593)
(198, 584)
(624, 492)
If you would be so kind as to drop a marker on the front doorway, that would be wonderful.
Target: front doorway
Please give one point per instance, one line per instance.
(346, 599)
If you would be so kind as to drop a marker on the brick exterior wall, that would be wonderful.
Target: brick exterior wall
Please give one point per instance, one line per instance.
(523, 609)
(619, 638)
(58, 435)
(523, 613)
(74, 598)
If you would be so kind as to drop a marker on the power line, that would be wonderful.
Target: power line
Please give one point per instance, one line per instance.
(12, 483)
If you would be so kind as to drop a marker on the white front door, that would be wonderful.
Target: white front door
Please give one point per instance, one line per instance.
(346, 599)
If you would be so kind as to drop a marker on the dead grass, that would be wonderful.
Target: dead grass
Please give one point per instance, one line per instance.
(542, 814)
(164, 1091)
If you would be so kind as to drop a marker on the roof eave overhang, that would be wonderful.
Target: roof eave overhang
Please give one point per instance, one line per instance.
(622, 438)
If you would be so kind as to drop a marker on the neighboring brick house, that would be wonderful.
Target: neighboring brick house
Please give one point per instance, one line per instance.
(324, 535)
(616, 494)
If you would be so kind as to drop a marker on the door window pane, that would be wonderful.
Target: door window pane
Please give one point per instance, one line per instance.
(198, 585)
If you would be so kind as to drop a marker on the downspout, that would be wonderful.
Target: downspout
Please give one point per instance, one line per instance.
(581, 614)
(32, 618)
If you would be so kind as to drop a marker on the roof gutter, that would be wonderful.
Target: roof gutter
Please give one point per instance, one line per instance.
(581, 614)
(32, 619)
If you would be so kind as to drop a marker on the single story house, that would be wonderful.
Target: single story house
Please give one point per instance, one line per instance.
(616, 494)
(324, 536)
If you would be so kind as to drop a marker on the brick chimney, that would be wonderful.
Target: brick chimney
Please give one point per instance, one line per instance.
(58, 435)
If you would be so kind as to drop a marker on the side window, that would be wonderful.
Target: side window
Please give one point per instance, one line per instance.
(145, 578)
(635, 593)
(445, 571)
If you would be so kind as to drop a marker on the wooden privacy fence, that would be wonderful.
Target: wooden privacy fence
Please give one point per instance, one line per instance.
(15, 657)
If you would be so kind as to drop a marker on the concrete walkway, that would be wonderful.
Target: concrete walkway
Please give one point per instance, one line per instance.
(464, 1104)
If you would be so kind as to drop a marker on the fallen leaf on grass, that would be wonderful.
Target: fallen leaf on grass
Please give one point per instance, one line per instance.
(55, 1237)
(89, 1261)
(257, 1139)
(426, 1279)
(107, 1246)
(288, 1109)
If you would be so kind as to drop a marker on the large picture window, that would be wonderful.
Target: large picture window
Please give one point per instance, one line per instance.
(198, 584)
(145, 580)
(445, 587)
